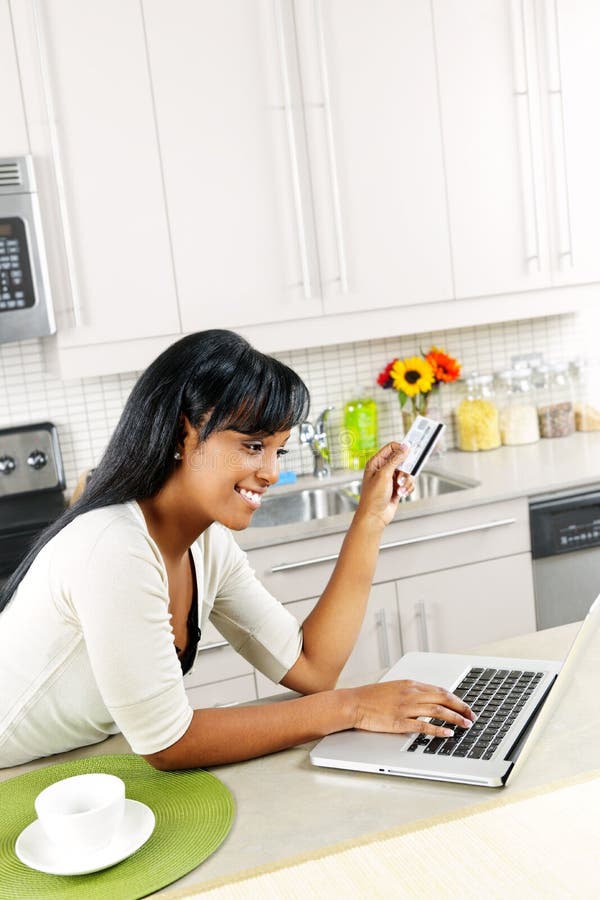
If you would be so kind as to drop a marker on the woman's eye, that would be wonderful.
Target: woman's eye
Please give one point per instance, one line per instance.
(254, 447)
(282, 451)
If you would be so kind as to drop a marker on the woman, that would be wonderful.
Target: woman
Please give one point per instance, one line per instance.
(100, 621)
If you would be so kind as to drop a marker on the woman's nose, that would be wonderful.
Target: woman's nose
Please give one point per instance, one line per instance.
(268, 470)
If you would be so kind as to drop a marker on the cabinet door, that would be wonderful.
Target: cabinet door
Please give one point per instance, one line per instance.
(492, 145)
(97, 75)
(226, 92)
(372, 116)
(570, 65)
(378, 645)
(454, 609)
(13, 133)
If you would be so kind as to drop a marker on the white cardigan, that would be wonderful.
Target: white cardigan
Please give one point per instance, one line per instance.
(86, 644)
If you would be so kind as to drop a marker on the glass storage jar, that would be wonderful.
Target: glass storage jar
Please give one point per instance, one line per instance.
(517, 407)
(586, 389)
(556, 410)
(477, 415)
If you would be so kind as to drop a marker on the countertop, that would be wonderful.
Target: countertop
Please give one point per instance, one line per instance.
(548, 466)
(286, 807)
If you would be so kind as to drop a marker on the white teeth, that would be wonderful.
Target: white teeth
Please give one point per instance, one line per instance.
(250, 495)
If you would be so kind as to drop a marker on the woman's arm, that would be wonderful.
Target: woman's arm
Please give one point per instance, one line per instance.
(331, 629)
(218, 736)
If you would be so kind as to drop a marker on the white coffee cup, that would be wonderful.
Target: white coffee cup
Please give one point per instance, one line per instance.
(82, 813)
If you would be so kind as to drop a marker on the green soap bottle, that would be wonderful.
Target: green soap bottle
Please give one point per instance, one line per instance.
(359, 435)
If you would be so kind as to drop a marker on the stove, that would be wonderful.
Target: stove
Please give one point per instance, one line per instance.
(32, 482)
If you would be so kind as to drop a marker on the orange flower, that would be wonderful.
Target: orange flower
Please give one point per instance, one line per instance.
(445, 367)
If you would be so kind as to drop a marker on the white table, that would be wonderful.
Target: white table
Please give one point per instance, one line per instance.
(285, 806)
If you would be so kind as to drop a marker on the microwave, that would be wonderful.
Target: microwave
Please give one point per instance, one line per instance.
(25, 300)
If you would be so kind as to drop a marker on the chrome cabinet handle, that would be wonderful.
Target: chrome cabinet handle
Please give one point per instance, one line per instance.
(498, 523)
(331, 153)
(522, 95)
(203, 647)
(421, 614)
(557, 128)
(384, 644)
(295, 167)
(57, 166)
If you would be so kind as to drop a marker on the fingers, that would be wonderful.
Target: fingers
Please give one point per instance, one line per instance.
(431, 694)
(392, 454)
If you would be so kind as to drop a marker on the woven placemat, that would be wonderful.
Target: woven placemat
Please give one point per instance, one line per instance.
(193, 809)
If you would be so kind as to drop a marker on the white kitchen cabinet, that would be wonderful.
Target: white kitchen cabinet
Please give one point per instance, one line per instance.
(454, 609)
(93, 70)
(378, 645)
(248, 198)
(492, 145)
(229, 692)
(372, 116)
(455, 579)
(569, 34)
(226, 89)
(14, 140)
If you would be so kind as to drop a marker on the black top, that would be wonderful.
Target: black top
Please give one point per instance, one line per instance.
(187, 657)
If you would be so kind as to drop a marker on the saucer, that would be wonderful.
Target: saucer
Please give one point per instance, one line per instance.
(36, 850)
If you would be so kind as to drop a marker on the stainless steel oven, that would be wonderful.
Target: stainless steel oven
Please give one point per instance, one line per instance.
(565, 545)
(25, 301)
(32, 482)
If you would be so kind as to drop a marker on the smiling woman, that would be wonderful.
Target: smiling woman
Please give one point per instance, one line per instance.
(102, 618)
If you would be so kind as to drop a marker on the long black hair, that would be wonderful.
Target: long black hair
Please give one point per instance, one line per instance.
(215, 379)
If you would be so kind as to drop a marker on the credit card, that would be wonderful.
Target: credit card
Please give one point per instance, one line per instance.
(422, 437)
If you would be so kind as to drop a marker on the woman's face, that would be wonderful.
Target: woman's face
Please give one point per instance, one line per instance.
(224, 478)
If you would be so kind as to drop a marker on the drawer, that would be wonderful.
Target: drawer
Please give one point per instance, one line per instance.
(216, 660)
(301, 569)
(222, 693)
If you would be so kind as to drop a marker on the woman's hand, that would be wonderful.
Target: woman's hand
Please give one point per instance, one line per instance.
(384, 483)
(394, 706)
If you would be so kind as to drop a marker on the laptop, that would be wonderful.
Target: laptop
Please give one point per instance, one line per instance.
(512, 698)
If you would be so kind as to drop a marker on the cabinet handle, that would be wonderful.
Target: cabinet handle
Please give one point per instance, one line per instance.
(57, 166)
(421, 614)
(557, 128)
(522, 95)
(203, 647)
(381, 620)
(284, 567)
(295, 167)
(331, 154)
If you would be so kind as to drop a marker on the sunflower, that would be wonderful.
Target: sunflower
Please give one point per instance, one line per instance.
(412, 376)
(445, 368)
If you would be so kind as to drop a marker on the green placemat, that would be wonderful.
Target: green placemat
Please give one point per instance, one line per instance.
(193, 809)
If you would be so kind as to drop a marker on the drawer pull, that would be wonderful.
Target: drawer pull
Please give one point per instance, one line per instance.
(212, 646)
(422, 617)
(498, 523)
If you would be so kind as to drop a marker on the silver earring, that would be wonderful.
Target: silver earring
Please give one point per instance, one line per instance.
(177, 455)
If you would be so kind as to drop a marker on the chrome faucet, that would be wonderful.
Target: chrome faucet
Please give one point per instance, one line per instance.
(316, 438)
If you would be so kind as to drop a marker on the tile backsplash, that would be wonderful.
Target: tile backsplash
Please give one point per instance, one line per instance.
(86, 410)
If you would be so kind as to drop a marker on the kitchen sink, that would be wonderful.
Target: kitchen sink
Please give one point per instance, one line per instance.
(336, 499)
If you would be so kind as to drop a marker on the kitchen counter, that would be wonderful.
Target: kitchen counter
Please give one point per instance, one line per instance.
(548, 466)
(286, 807)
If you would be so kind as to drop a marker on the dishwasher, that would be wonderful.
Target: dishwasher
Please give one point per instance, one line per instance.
(565, 546)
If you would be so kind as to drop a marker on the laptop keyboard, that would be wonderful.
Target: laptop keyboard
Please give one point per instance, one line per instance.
(496, 696)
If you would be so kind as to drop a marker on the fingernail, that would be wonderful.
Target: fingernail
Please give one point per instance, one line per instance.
(404, 446)
(448, 732)
(468, 723)
(402, 481)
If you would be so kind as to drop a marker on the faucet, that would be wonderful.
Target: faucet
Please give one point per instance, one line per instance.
(316, 438)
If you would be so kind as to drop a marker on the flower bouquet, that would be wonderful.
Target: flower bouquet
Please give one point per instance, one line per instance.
(417, 379)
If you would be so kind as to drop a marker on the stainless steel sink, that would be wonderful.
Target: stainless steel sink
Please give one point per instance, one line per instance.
(335, 499)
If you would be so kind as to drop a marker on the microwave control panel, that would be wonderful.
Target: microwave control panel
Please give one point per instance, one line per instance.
(16, 285)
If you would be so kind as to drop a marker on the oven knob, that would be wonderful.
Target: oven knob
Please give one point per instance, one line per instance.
(7, 464)
(37, 459)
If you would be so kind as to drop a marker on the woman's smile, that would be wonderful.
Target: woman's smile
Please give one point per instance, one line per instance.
(252, 498)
